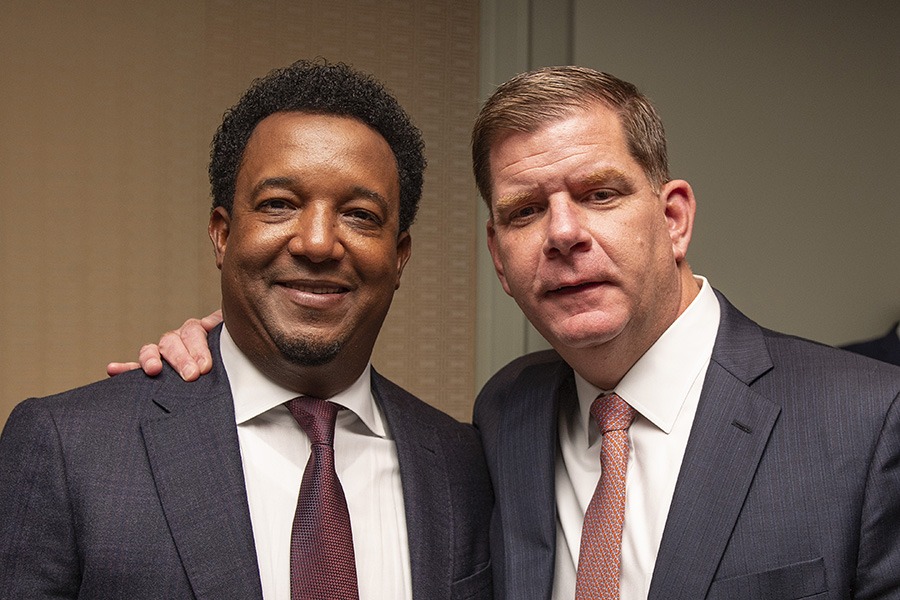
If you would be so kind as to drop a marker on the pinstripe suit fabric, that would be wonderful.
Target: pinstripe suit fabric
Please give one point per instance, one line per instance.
(790, 485)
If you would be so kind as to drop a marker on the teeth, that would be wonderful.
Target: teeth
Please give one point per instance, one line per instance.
(315, 290)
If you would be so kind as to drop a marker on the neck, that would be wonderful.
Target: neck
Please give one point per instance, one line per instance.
(322, 381)
(604, 365)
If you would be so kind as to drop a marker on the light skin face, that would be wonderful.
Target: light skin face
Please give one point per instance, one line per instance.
(592, 254)
(311, 253)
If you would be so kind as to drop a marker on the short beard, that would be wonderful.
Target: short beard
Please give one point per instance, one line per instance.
(307, 353)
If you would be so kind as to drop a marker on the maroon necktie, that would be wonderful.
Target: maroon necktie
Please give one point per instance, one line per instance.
(323, 566)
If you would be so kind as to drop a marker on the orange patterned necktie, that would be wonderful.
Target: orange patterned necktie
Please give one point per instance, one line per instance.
(601, 536)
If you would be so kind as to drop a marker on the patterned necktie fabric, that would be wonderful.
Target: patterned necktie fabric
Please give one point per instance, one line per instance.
(601, 537)
(323, 565)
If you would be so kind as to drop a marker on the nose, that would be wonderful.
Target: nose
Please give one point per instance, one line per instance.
(315, 234)
(566, 231)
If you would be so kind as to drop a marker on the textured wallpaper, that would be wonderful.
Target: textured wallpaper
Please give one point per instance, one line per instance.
(107, 110)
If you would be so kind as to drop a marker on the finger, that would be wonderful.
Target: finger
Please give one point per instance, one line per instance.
(211, 320)
(149, 360)
(193, 337)
(117, 368)
(172, 349)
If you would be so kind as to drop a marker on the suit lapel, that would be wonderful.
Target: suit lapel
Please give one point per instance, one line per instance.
(195, 458)
(727, 441)
(525, 477)
(426, 487)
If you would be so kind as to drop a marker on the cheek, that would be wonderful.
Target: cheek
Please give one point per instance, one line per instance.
(521, 254)
(647, 239)
(258, 245)
(377, 261)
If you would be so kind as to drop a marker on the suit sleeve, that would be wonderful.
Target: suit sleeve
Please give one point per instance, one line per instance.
(38, 553)
(878, 569)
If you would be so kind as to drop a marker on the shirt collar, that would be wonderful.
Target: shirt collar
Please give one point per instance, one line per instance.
(254, 393)
(658, 383)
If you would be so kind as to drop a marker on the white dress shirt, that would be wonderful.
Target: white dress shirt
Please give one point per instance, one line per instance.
(274, 452)
(663, 387)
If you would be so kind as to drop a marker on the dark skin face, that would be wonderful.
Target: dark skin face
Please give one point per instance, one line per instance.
(311, 253)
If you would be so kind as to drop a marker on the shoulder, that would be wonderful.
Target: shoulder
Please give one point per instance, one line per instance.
(544, 373)
(756, 354)
(102, 406)
(405, 410)
(834, 369)
(811, 382)
(536, 364)
(415, 424)
(543, 364)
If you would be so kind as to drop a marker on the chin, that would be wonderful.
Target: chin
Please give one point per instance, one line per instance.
(307, 352)
(580, 332)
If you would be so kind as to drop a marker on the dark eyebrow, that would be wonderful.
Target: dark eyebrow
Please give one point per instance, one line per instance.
(273, 182)
(372, 195)
(289, 182)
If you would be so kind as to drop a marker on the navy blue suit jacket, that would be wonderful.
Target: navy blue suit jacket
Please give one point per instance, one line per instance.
(132, 488)
(790, 485)
(886, 348)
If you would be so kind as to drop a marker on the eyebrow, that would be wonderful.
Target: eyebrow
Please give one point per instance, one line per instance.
(289, 182)
(359, 191)
(273, 182)
(604, 176)
(609, 175)
(510, 200)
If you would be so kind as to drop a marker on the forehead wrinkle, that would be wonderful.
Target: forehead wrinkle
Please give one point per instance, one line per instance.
(527, 163)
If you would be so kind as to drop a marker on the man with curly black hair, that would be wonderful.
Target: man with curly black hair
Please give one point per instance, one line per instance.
(151, 487)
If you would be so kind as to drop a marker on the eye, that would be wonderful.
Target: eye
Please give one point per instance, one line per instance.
(274, 205)
(524, 214)
(363, 217)
(602, 196)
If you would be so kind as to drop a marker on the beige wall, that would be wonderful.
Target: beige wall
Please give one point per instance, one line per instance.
(107, 109)
(783, 115)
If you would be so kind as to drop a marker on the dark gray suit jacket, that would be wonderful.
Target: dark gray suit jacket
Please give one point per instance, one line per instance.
(132, 488)
(790, 485)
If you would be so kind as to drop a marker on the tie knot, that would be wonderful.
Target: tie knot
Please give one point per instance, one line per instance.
(316, 417)
(612, 413)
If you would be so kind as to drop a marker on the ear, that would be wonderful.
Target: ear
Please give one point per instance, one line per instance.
(219, 227)
(404, 251)
(680, 207)
(495, 254)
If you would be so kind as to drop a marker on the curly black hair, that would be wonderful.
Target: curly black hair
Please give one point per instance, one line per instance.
(319, 87)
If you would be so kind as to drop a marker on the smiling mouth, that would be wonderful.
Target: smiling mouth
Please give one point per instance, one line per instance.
(315, 288)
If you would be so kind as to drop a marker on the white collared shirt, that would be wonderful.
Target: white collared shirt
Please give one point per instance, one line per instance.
(663, 387)
(274, 452)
